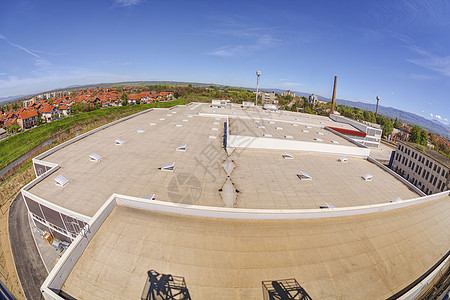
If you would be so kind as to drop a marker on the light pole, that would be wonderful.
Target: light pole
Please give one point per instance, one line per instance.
(376, 111)
(258, 73)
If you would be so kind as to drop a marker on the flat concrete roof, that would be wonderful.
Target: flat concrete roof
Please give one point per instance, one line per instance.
(263, 178)
(368, 256)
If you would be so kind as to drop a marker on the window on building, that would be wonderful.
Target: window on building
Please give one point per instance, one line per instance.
(431, 178)
(434, 167)
(439, 184)
(439, 169)
(434, 182)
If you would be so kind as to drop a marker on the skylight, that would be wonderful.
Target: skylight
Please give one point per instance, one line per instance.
(217, 118)
(304, 176)
(271, 122)
(334, 142)
(212, 136)
(318, 139)
(170, 167)
(288, 136)
(267, 134)
(307, 126)
(152, 124)
(256, 121)
(287, 156)
(216, 123)
(61, 180)
(189, 116)
(174, 112)
(95, 157)
(343, 159)
(367, 177)
(261, 126)
(181, 148)
(119, 142)
(279, 128)
(140, 130)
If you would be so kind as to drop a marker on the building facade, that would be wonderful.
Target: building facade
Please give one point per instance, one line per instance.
(426, 169)
(372, 131)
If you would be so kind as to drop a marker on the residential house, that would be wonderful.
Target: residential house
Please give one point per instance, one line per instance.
(64, 110)
(49, 113)
(27, 118)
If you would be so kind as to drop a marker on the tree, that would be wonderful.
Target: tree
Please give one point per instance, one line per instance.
(386, 126)
(418, 136)
(397, 123)
(13, 128)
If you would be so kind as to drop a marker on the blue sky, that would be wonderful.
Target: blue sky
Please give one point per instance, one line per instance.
(398, 50)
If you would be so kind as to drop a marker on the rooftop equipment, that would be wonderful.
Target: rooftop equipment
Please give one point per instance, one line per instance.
(119, 142)
(334, 142)
(304, 130)
(214, 129)
(185, 120)
(162, 119)
(279, 128)
(256, 121)
(304, 176)
(267, 134)
(95, 157)
(287, 156)
(327, 205)
(149, 197)
(216, 123)
(152, 124)
(320, 133)
(295, 124)
(179, 125)
(140, 130)
(170, 167)
(169, 115)
(343, 159)
(271, 122)
(61, 180)
(367, 177)
(288, 136)
(164, 287)
(286, 289)
(181, 148)
(261, 126)
(318, 139)
(212, 136)
(397, 199)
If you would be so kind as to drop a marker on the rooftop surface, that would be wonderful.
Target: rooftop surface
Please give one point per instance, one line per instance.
(360, 257)
(262, 178)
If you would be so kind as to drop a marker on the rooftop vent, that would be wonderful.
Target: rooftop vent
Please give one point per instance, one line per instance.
(367, 177)
(140, 130)
(181, 148)
(214, 129)
(334, 142)
(327, 205)
(179, 125)
(256, 121)
(212, 136)
(304, 176)
(304, 130)
(279, 128)
(152, 124)
(318, 139)
(185, 120)
(288, 136)
(295, 124)
(271, 122)
(261, 126)
(287, 156)
(119, 142)
(169, 115)
(149, 197)
(267, 134)
(170, 167)
(189, 116)
(95, 157)
(307, 126)
(397, 199)
(162, 119)
(216, 123)
(61, 180)
(343, 159)
(320, 133)
(297, 119)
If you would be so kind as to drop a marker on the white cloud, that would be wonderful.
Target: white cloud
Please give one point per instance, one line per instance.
(431, 115)
(39, 60)
(261, 43)
(431, 61)
(291, 83)
(438, 117)
(125, 3)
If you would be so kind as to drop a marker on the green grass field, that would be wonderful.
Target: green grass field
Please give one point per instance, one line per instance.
(13, 147)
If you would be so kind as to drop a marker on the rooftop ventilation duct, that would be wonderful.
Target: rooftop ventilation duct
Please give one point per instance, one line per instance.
(288, 136)
(152, 124)
(190, 116)
(318, 139)
(149, 197)
(174, 112)
(61, 180)
(307, 126)
(397, 199)
(179, 125)
(271, 122)
(162, 119)
(214, 129)
(212, 136)
(304, 176)
(185, 120)
(119, 142)
(217, 118)
(279, 128)
(367, 177)
(320, 133)
(267, 134)
(170, 167)
(261, 126)
(256, 121)
(216, 123)
(294, 124)
(287, 156)
(343, 159)
(140, 130)
(334, 142)
(95, 157)
(181, 148)
(304, 130)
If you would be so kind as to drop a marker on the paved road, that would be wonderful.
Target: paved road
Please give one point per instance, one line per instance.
(30, 268)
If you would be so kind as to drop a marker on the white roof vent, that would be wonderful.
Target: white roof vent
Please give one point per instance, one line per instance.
(304, 176)
(140, 130)
(279, 128)
(267, 134)
(212, 136)
(271, 122)
(367, 177)
(334, 142)
(287, 156)
(397, 199)
(179, 125)
(216, 123)
(304, 130)
(297, 119)
(318, 139)
(214, 129)
(189, 116)
(169, 115)
(170, 167)
(181, 148)
(95, 157)
(61, 180)
(327, 205)
(288, 136)
(295, 124)
(153, 124)
(256, 121)
(185, 120)
(162, 119)
(343, 159)
(149, 197)
(119, 142)
(307, 126)
(261, 126)
(174, 112)
(320, 133)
